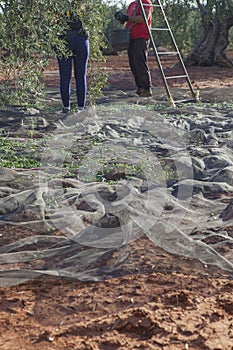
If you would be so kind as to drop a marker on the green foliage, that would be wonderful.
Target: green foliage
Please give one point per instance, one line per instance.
(18, 154)
(185, 22)
(220, 9)
(29, 32)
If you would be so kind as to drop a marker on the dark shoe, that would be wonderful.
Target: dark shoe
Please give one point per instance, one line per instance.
(139, 91)
(146, 93)
(66, 110)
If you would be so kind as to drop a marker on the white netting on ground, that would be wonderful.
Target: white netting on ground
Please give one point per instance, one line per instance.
(109, 178)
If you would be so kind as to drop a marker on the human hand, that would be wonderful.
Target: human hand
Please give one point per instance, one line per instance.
(117, 15)
(121, 17)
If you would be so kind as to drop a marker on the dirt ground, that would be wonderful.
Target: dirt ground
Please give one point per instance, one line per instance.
(179, 304)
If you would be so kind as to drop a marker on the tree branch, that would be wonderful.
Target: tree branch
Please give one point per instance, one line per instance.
(201, 8)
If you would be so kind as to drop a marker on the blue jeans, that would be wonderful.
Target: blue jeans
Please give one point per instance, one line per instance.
(80, 52)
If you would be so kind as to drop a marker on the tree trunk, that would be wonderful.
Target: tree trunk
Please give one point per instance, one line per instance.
(211, 49)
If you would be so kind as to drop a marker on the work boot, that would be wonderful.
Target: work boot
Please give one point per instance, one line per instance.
(146, 93)
(139, 91)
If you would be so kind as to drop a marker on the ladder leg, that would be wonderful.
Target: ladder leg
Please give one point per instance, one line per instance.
(155, 51)
(195, 94)
(177, 50)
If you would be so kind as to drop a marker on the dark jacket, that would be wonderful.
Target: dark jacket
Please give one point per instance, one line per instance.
(75, 27)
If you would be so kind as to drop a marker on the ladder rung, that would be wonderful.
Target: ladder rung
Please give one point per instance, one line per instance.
(153, 5)
(167, 52)
(157, 53)
(160, 29)
(186, 101)
(177, 76)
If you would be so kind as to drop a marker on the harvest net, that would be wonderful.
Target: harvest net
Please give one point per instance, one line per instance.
(111, 180)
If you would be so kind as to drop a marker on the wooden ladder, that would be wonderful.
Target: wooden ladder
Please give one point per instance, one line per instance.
(176, 52)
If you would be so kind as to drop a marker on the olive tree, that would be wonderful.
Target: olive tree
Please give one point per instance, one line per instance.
(217, 20)
(201, 27)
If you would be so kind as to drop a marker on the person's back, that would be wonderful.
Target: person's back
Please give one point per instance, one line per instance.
(77, 40)
(75, 25)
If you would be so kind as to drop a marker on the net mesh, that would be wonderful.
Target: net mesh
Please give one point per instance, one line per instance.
(112, 181)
